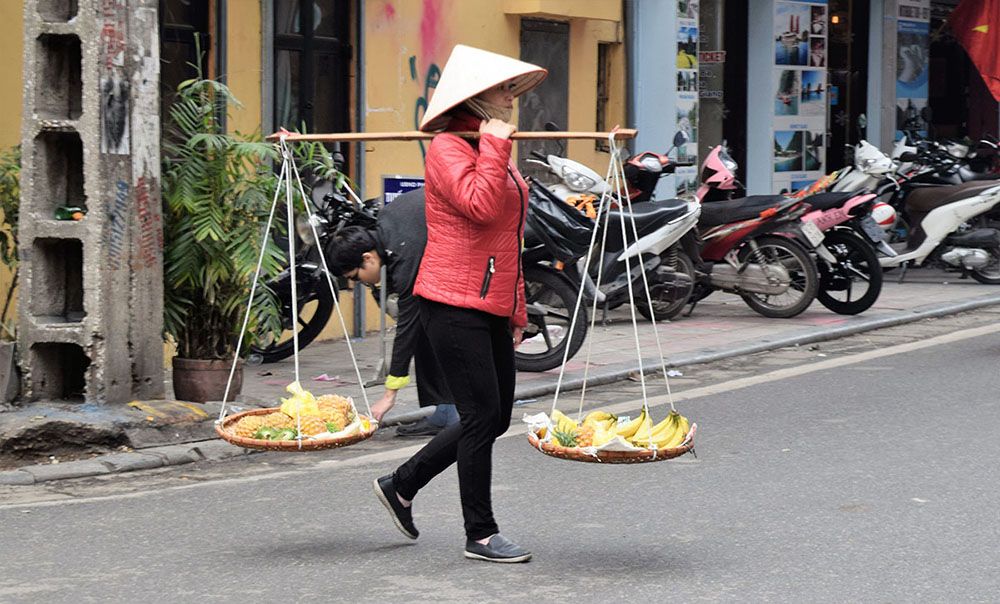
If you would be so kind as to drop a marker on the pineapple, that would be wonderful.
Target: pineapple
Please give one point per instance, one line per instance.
(312, 425)
(278, 420)
(336, 402)
(565, 438)
(585, 436)
(334, 416)
(248, 426)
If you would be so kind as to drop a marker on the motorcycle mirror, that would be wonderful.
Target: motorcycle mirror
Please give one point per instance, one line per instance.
(862, 121)
(551, 127)
(680, 138)
(320, 191)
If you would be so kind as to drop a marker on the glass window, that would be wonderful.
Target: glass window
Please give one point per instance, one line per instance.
(287, 17)
(286, 85)
(183, 29)
(312, 58)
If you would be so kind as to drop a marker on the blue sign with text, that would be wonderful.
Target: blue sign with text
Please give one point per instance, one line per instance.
(394, 186)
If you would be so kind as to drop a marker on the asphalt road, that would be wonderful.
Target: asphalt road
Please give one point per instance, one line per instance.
(859, 470)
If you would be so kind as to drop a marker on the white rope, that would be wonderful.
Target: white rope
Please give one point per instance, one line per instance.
(616, 178)
(619, 182)
(333, 292)
(649, 301)
(603, 209)
(253, 288)
(289, 212)
(579, 298)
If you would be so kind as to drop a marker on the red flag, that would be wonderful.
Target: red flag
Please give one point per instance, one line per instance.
(976, 24)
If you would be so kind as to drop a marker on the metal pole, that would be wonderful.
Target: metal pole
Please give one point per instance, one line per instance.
(381, 369)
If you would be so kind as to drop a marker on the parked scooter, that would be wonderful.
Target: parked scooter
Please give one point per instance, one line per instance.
(850, 273)
(942, 232)
(739, 252)
(659, 225)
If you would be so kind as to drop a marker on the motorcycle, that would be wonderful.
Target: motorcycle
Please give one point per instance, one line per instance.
(651, 245)
(549, 296)
(943, 229)
(842, 261)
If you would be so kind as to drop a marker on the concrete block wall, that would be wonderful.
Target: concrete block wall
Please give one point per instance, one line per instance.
(91, 304)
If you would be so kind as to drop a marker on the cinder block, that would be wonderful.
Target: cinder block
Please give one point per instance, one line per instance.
(92, 302)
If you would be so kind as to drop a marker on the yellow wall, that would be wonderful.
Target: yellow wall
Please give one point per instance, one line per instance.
(244, 58)
(12, 50)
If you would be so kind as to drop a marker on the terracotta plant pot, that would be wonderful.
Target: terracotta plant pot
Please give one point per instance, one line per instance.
(201, 381)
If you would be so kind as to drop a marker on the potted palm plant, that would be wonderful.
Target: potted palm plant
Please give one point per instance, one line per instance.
(217, 193)
(10, 202)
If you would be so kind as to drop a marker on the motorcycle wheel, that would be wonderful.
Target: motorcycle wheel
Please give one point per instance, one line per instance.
(857, 265)
(802, 269)
(664, 309)
(546, 336)
(990, 275)
(314, 313)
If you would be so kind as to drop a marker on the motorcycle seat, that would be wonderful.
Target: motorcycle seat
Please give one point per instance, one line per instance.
(828, 201)
(925, 199)
(734, 210)
(976, 176)
(648, 213)
(751, 201)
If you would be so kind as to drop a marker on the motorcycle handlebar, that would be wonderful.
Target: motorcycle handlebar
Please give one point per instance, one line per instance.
(538, 155)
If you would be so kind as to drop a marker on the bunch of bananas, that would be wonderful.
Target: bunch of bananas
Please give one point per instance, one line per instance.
(600, 427)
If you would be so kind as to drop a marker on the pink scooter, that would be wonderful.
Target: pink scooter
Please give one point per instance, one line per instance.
(850, 273)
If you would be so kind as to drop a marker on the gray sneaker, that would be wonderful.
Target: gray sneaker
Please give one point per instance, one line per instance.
(497, 549)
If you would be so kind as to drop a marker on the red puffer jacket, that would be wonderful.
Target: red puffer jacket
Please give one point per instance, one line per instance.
(476, 204)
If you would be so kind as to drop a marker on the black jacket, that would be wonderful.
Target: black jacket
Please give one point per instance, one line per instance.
(400, 237)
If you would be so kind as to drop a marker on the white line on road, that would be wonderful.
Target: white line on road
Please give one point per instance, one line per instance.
(519, 429)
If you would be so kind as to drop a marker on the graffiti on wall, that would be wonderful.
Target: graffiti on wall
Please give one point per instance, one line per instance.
(117, 225)
(150, 231)
(113, 42)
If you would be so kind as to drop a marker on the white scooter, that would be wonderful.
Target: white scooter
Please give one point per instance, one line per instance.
(939, 217)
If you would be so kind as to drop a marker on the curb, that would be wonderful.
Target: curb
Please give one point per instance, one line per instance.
(217, 449)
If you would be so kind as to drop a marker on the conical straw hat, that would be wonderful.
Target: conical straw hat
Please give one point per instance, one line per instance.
(470, 71)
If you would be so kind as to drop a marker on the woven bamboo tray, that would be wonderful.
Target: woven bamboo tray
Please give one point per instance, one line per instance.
(224, 430)
(644, 456)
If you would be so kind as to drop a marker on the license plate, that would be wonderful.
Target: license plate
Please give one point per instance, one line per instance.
(812, 233)
(872, 229)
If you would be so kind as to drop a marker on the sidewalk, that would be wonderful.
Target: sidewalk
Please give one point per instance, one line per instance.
(722, 326)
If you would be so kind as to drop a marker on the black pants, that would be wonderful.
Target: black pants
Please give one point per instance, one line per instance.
(476, 352)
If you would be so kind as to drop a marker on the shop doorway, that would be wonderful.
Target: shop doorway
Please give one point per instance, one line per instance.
(848, 79)
(543, 43)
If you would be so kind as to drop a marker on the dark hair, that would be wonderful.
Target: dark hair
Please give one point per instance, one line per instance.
(346, 248)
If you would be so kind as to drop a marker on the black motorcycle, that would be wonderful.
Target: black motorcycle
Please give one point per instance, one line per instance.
(550, 297)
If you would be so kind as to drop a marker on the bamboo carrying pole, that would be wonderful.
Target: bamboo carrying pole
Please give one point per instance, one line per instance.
(416, 135)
